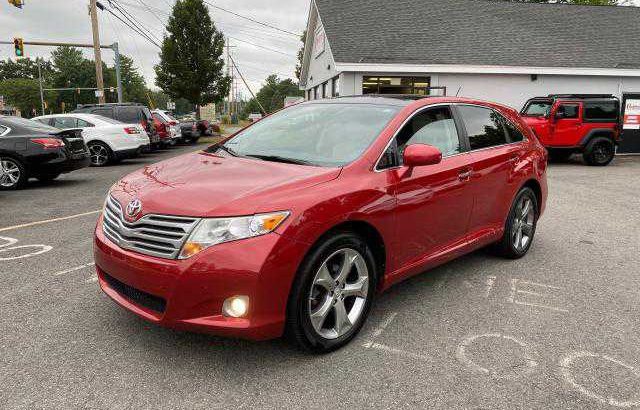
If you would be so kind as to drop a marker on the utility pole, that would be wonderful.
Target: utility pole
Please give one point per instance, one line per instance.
(93, 11)
(116, 51)
(41, 88)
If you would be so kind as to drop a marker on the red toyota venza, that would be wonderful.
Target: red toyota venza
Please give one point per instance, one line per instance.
(294, 224)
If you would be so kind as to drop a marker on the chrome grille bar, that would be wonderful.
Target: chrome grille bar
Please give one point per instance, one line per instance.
(155, 235)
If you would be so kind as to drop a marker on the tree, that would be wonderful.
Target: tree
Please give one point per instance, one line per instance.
(25, 68)
(272, 95)
(191, 64)
(22, 93)
(303, 38)
(134, 88)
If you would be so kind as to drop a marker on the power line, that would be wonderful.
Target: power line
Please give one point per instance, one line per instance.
(132, 27)
(132, 19)
(252, 19)
(151, 11)
(263, 47)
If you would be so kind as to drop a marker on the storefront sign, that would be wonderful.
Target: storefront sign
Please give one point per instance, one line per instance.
(319, 42)
(632, 115)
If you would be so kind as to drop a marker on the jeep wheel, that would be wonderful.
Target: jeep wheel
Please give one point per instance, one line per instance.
(599, 152)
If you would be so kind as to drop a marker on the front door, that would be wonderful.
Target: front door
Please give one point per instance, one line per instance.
(433, 202)
(567, 125)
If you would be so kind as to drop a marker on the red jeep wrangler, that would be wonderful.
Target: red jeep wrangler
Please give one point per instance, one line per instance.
(571, 123)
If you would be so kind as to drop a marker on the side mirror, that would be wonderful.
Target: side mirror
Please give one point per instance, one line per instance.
(417, 155)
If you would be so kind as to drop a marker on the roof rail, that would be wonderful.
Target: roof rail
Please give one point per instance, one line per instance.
(107, 105)
(582, 96)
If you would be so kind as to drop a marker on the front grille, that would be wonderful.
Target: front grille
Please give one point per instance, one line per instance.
(137, 296)
(155, 235)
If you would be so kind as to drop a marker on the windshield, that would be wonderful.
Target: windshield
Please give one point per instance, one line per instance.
(537, 109)
(27, 125)
(313, 134)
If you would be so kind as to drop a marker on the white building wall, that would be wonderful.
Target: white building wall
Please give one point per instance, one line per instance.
(509, 89)
(321, 66)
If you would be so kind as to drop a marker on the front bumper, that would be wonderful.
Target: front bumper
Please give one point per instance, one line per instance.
(193, 290)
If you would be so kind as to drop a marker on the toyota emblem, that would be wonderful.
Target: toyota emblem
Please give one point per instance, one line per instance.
(133, 208)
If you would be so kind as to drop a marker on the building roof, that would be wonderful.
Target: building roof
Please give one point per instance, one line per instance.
(481, 32)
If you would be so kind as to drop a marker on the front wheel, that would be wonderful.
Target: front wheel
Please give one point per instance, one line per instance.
(599, 152)
(520, 227)
(332, 295)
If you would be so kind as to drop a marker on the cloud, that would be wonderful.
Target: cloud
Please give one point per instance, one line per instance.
(68, 21)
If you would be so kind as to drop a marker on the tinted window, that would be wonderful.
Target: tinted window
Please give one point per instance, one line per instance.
(24, 125)
(64, 122)
(105, 112)
(129, 115)
(484, 127)
(84, 124)
(515, 135)
(569, 111)
(601, 110)
(537, 109)
(434, 127)
(321, 134)
(45, 121)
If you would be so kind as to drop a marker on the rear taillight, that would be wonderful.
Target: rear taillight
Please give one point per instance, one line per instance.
(48, 143)
(132, 130)
(173, 122)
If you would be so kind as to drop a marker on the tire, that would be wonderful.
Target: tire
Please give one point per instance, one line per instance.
(324, 296)
(519, 225)
(13, 174)
(47, 177)
(559, 155)
(101, 154)
(599, 152)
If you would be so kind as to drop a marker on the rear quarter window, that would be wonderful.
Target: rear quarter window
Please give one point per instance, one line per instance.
(601, 111)
(105, 112)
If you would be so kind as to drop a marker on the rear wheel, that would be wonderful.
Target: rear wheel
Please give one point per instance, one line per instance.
(599, 152)
(520, 227)
(12, 174)
(332, 295)
(100, 153)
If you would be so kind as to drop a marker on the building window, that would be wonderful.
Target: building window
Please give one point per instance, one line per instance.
(396, 85)
(335, 87)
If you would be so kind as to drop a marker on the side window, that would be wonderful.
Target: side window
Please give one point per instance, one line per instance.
(64, 122)
(484, 127)
(515, 135)
(568, 111)
(129, 115)
(84, 124)
(105, 112)
(601, 110)
(434, 126)
(45, 121)
(3, 130)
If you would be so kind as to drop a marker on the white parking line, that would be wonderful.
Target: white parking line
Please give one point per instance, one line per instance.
(77, 268)
(46, 221)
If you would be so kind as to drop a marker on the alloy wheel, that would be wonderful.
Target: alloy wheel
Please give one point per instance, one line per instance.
(339, 293)
(522, 228)
(9, 173)
(99, 154)
(602, 152)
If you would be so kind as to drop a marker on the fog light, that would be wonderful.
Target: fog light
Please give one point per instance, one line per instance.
(236, 306)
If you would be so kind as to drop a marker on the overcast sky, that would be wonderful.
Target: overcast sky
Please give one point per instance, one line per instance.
(68, 21)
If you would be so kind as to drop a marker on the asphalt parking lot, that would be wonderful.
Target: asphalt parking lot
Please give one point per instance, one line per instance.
(559, 328)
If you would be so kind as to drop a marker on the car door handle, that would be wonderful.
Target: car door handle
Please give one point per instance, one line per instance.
(464, 175)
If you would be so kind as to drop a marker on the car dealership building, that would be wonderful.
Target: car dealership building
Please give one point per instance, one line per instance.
(501, 51)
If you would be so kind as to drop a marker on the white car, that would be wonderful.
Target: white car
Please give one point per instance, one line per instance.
(174, 126)
(108, 140)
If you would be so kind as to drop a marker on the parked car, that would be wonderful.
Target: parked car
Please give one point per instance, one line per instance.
(164, 130)
(295, 223)
(168, 117)
(128, 113)
(576, 123)
(108, 140)
(189, 132)
(29, 149)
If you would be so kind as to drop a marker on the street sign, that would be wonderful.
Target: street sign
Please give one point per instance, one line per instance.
(99, 93)
(171, 105)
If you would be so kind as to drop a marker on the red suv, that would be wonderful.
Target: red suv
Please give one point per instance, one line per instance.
(292, 225)
(571, 123)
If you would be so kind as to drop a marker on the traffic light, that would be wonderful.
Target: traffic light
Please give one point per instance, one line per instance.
(17, 3)
(18, 44)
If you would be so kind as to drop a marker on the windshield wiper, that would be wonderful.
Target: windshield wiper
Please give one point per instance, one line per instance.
(277, 158)
(227, 150)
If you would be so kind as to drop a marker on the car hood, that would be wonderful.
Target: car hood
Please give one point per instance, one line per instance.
(207, 185)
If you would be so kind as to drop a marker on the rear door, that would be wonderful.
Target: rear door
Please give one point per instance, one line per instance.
(567, 120)
(494, 159)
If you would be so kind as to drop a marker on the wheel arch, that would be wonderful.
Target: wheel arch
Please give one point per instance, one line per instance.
(596, 133)
(536, 188)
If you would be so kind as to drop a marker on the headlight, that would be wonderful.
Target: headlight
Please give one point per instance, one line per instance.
(211, 232)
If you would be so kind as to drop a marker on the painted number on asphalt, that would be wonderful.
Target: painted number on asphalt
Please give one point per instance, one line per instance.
(7, 247)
